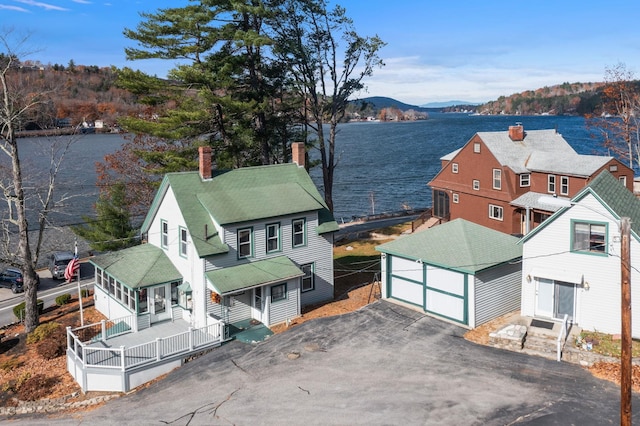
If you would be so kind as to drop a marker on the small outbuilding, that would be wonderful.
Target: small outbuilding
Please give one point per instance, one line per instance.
(459, 271)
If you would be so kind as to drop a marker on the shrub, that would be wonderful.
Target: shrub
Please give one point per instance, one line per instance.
(54, 345)
(10, 364)
(36, 387)
(18, 310)
(84, 292)
(63, 299)
(42, 331)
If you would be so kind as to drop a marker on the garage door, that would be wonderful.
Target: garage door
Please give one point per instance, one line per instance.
(446, 294)
(406, 281)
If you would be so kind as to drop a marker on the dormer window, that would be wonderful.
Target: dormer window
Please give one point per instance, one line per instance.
(525, 180)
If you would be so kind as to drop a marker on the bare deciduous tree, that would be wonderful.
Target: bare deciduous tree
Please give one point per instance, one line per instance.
(21, 94)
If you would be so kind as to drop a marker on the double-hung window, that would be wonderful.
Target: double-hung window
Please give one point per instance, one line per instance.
(307, 279)
(273, 237)
(495, 212)
(245, 248)
(497, 179)
(564, 185)
(589, 237)
(476, 185)
(551, 184)
(164, 234)
(183, 242)
(299, 237)
(454, 167)
(525, 180)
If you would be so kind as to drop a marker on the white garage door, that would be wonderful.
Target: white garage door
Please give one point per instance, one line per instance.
(446, 294)
(407, 281)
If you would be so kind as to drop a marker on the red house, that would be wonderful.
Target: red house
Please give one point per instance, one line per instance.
(506, 180)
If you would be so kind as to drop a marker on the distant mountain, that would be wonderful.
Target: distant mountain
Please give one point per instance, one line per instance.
(380, 102)
(447, 104)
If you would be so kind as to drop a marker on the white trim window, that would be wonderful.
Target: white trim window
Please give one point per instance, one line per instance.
(164, 234)
(476, 185)
(308, 282)
(564, 185)
(623, 180)
(497, 179)
(551, 184)
(184, 243)
(454, 167)
(496, 212)
(273, 238)
(299, 234)
(525, 180)
(476, 147)
(245, 243)
(456, 198)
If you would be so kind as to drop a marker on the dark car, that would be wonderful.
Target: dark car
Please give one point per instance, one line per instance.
(58, 262)
(12, 278)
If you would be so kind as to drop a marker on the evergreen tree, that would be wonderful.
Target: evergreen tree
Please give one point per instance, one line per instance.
(111, 229)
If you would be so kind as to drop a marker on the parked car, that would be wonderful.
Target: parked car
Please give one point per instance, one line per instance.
(12, 278)
(58, 262)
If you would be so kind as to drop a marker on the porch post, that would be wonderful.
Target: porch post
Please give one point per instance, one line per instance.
(158, 349)
(103, 325)
(122, 363)
(190, 338)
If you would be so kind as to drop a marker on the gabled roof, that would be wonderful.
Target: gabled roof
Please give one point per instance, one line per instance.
(263, 272)
(240, 195)
(612, 194)
(139, 266)
(540, 150)
(459, 245)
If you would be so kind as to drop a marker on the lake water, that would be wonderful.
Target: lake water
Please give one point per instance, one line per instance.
(381, 168)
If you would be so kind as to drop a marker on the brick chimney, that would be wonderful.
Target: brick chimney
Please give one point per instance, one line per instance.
(298, 153)
(516, 133)
(205, 162)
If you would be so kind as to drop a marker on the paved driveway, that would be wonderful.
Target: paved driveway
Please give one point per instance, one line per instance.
(384, 364)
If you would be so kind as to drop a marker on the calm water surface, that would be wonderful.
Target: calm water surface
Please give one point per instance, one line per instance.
(382, 166)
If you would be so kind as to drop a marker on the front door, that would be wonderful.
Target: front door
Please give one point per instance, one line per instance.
(160, 309)
(554, 299)
(257, 307)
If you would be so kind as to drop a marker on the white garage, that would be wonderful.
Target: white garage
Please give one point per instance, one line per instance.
(458, 271)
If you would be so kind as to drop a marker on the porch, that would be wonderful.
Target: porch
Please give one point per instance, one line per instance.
(108, 356)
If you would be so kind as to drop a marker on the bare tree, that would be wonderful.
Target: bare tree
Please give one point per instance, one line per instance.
(21, 95)
(328, 62)
(618, 124)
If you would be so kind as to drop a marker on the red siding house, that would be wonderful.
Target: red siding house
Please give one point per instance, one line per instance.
(506, 180)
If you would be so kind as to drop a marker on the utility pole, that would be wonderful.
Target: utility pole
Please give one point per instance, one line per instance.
(625, 313)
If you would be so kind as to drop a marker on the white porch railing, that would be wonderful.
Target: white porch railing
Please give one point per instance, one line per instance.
(562, 337)
(124, 358)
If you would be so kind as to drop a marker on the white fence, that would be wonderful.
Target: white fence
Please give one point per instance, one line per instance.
(123, 368)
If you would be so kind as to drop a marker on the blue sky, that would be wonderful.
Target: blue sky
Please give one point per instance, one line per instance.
(436, 50)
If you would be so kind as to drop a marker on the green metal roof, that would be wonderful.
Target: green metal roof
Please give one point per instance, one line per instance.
(263, 272)
(139, 266)
(241, 195)
(614, 196)
(459, 245)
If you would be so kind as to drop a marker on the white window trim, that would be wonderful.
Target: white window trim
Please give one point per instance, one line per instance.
(456, 198)
(277, 238)
(564, 179)
(528, 183)
(623, 180)
(183, 246)
(164, 234)
(551, 178)
(476, 185)
(499, 217)
(454, 167)
(497, 178)
(476, 147)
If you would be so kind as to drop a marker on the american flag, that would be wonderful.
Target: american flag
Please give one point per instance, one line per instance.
(72, 266)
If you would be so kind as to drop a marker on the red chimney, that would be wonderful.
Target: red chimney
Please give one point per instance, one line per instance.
(205, 162)
(516, 133)
(298, 153)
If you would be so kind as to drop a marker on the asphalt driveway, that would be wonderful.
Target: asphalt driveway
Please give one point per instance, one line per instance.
(383, 364)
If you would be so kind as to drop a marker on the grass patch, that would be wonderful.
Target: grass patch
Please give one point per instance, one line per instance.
(605, 344)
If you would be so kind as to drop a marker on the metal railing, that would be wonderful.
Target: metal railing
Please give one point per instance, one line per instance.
(562, 337)
(124, 358)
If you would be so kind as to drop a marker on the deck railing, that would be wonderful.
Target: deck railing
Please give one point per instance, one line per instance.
(124, 358)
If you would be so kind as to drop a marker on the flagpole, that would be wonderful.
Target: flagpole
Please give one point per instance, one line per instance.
(79, 289)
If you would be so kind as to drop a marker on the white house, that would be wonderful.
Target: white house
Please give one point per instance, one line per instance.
(458, 271)
(253, 243)
(571, 263)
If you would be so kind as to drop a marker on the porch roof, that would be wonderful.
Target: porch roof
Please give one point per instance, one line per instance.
(139, 266)
(254, 274)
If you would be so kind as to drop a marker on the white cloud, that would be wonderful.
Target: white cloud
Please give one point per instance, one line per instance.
(14, 8)
(45, 6)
